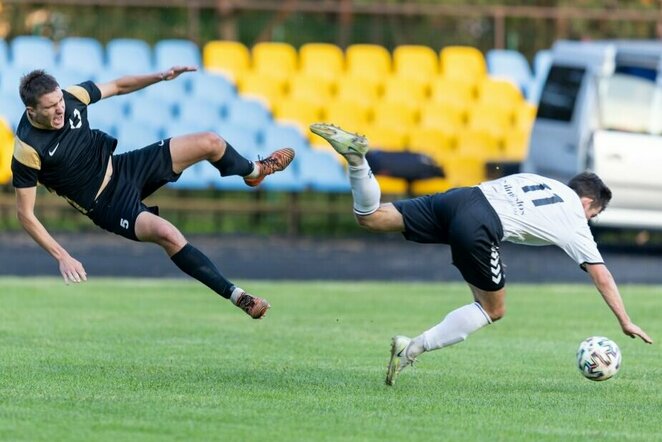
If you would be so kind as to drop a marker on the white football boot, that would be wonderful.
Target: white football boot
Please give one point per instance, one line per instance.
(342, 141)
(399, 359)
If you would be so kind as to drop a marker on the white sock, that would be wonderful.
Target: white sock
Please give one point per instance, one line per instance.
(365, 189)
(455, 327)
(256, 171)
(235, 294)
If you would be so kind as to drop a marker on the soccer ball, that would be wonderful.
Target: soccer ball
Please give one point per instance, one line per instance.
(598, 358)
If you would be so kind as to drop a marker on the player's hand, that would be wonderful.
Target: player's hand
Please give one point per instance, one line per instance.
(633, 331)
(175, 71)
(72, 270)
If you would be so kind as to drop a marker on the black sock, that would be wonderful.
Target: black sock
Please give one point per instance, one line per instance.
(195, 264)
(232, 163)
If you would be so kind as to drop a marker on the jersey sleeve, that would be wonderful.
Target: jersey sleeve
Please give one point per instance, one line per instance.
(582, 248)
(22, 175)
(86, 92)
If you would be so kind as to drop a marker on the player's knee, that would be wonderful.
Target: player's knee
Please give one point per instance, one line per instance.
(212, 143)
(168, 236)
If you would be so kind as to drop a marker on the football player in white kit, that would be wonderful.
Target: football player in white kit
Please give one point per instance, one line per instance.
(522, 208)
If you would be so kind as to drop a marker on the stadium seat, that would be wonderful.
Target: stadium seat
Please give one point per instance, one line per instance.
(84, 55)
(464, 170)
(444, 117)
(511, 65)
(390, 138)
(542, 61)
(287, 180)
(368, 61)
(132, 134)
(525, 115)
(248, 113)
(229, 58)
(10, 78)
(170, 92)
(107, 114)
(212, 86)
(297, 111)
(347, 114)
(279, 60)
(454, 91)
(305, 87)
(320, 171)
(71, 77)
(6, 151)
(176, 52)
(196, 177)
(12, 108)
(245, 140)
(492, 118)
(262, 86)
(516, 145)
(358, 90)
(462, 62)
(32, 52)
(432, 142)
(498, 92)
(389, 114)
(4, 54)
(278, 135)
(150, 110)
(404, 90)
(129, 56)
(478, 144)
(200, 112)
(415, 62)
(321, 60)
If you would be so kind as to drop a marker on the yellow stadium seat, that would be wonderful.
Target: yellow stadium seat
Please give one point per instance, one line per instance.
(479, 144)
(430, 186)
(6, 151)
(392, 186)
(391, 138)
(441, 116)
(276, 59)
(357, 89)
(525, 116)
(309, 88)
(404, 90)
(495, 91)
(347, 114)
(432, 142)
(322, 60)
(230, 58)
(491, 118)
(516, 145)
(368, 61)
(300, 112)
(418, 63)
(455, 91)
(462, 62)
(262, 86)
(464, 170)
(389, 114)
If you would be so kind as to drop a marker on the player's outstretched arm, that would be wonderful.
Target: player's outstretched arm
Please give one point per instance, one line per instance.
(71, 269)
(606, 285)
(132, 83)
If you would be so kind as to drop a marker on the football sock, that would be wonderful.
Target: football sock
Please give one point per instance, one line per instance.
(365, 188)
(455, 327)
(196, 264)
(232, 163)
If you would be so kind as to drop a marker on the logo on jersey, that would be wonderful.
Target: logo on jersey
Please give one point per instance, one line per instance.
(51, 152)
(495, 265)
(75, 122)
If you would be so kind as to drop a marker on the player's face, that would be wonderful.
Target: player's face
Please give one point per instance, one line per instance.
(590, 210)
(49, 111)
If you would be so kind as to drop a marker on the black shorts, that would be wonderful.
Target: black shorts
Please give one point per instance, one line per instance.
(136, 175)
(465, 220)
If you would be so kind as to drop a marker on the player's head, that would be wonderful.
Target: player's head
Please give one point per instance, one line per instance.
(43, 99)
(589, 185)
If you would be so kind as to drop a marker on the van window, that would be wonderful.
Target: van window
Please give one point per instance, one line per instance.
(629, 103)
(559, 95)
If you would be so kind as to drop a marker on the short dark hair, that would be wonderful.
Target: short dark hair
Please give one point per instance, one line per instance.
(590, 185)
(35, 84)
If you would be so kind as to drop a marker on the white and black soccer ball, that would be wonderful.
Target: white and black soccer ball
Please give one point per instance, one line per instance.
(598, 358)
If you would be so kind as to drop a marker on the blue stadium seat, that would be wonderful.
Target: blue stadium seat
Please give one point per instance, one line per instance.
(129, 55)
(243, 139)
(285, 181)
(321, 171)
(81, 54)
(69, 77)
(171, 92)
(249, 113)
(32, 52)
(176, 52)
(541, 64)
(107, 114)
(12, 108)
(199, 176)
(150, 110)
(4, 54)
(212, 87)
(133, 135)
(279, 135)
(509, 64)
(179, 128)
(10, 78)
(200, 111)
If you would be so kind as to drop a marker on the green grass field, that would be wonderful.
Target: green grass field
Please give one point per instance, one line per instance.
(155, 360)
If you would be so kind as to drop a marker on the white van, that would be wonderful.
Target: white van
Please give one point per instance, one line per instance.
(600, 109)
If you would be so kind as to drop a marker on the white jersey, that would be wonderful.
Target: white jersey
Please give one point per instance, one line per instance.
(535, 210)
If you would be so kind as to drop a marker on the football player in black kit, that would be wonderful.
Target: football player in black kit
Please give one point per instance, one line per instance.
(56, 147)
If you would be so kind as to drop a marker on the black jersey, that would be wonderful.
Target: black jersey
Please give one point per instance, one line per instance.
(70, 161)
